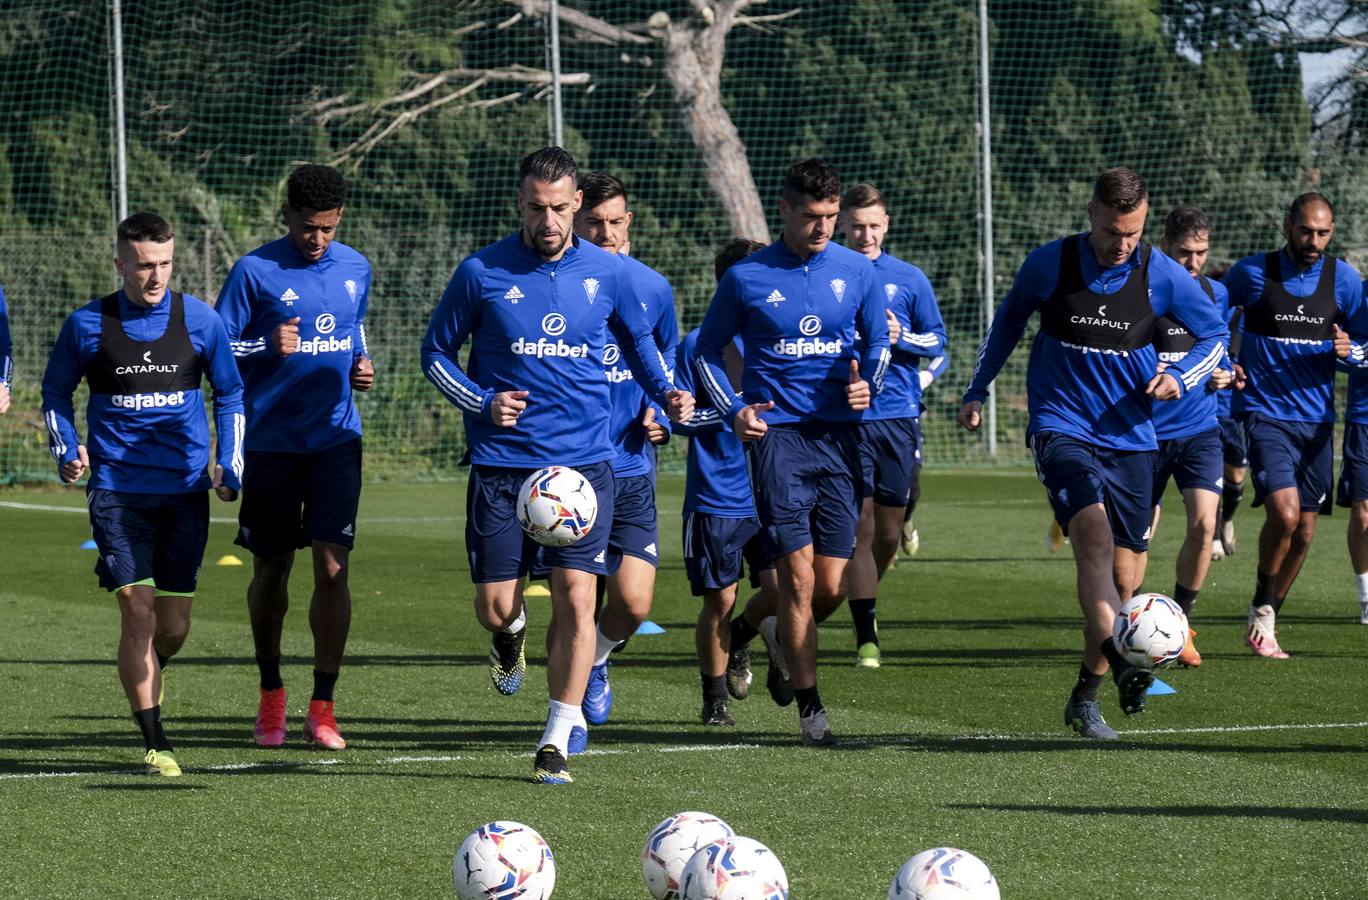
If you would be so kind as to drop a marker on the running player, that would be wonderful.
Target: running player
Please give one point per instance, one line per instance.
(637, 427)
(1352, 491)
(143, 351)
(1234, 445)
(295, 310)
(1295, 301)
(1188, 433)
(890, 431)
(797, 305)
(1090, 383)
(6, 356)
(537, 309)
(721, 532)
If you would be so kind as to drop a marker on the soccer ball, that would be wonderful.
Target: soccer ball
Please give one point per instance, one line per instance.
(1150, 630)
(503, 861)
(671, 844)
(944, 874)
(737, 868)
(557, 506)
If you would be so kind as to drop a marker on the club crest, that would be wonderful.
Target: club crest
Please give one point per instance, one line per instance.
(591, 288)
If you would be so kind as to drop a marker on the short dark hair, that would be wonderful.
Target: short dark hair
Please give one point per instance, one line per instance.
(1183, 221)
(1310, 198)
(732, 252)
(549, 164)
(863, 196)
(1120, 189)
(814, 178)
(600, 187)
(144, 226)
(316, 187)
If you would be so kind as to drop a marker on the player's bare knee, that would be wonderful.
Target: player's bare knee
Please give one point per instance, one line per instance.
(171, 634)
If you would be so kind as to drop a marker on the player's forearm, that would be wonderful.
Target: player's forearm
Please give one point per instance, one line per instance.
(874, 366)
(702, 422)
(451, 380)
(1196, 366)
(58, 418)
(231, 427)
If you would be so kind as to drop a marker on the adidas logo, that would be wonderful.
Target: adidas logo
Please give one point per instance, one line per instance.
(651, 549)
(513, 295)
(289, 297)
(600, 557)
(349, 531)
(775, 297)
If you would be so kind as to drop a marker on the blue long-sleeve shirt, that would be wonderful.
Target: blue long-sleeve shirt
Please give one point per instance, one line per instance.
(716, 480)
(798, 320)
(1356, 403)
(1196, 411)
(6, 344)
(1293, 378)
(541, 327)
(913, 303)
(146, 443)
(635, 456)
(301, 402)
(1098, 395)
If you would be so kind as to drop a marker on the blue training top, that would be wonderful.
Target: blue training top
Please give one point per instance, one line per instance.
(635, 456)
(146, 428)
(913, 302)
(1093, 356)
(302, 402)
(1196, 411)
(541, 327)
(1287, 350)
(717, 480)
(798, 320)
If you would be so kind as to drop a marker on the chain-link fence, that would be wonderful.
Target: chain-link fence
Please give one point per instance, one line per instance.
(427, 106)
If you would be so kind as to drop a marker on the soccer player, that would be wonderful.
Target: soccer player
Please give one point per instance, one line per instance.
(1090, 385)
(1295, 301)
(143, 351)
(638, 425)
(890, 431)
(797, 305)
(539, 309)
(1188, 433)
(6, 356)
(1352, 490)
(1234, 445)
(721, 532)
(295, 310)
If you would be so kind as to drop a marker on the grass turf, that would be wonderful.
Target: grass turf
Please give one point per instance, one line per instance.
(957, 740)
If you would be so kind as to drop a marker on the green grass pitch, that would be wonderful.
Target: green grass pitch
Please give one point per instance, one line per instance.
(1251, 781)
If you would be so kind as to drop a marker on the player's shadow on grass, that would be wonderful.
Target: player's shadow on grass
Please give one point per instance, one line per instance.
(161, 784)
(1295, 813)
(980, 658)
(248, 662)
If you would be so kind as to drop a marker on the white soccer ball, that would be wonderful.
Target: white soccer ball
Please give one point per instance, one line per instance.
(557, 506)
(737, 868)
(944, 873)
(503, 861)
(671, 844)
(1150, 630)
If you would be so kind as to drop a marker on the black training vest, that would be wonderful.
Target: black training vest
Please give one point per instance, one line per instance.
(1278, 314)
(1075, 315)
(122, 365)
(1170, 335)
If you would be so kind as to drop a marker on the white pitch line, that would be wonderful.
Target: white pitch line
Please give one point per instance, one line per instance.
(910, 740)
(1231, 729)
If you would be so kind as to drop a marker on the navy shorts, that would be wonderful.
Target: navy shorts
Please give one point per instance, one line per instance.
(1234, 442)
(156, 536)
(1193, 462)
(1077, 474)
(290, 500)
(806, 480)
(1292, 454)
(497, 546)
(635, 531)
(716, 548)
(890, 453)
(1353, 480)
